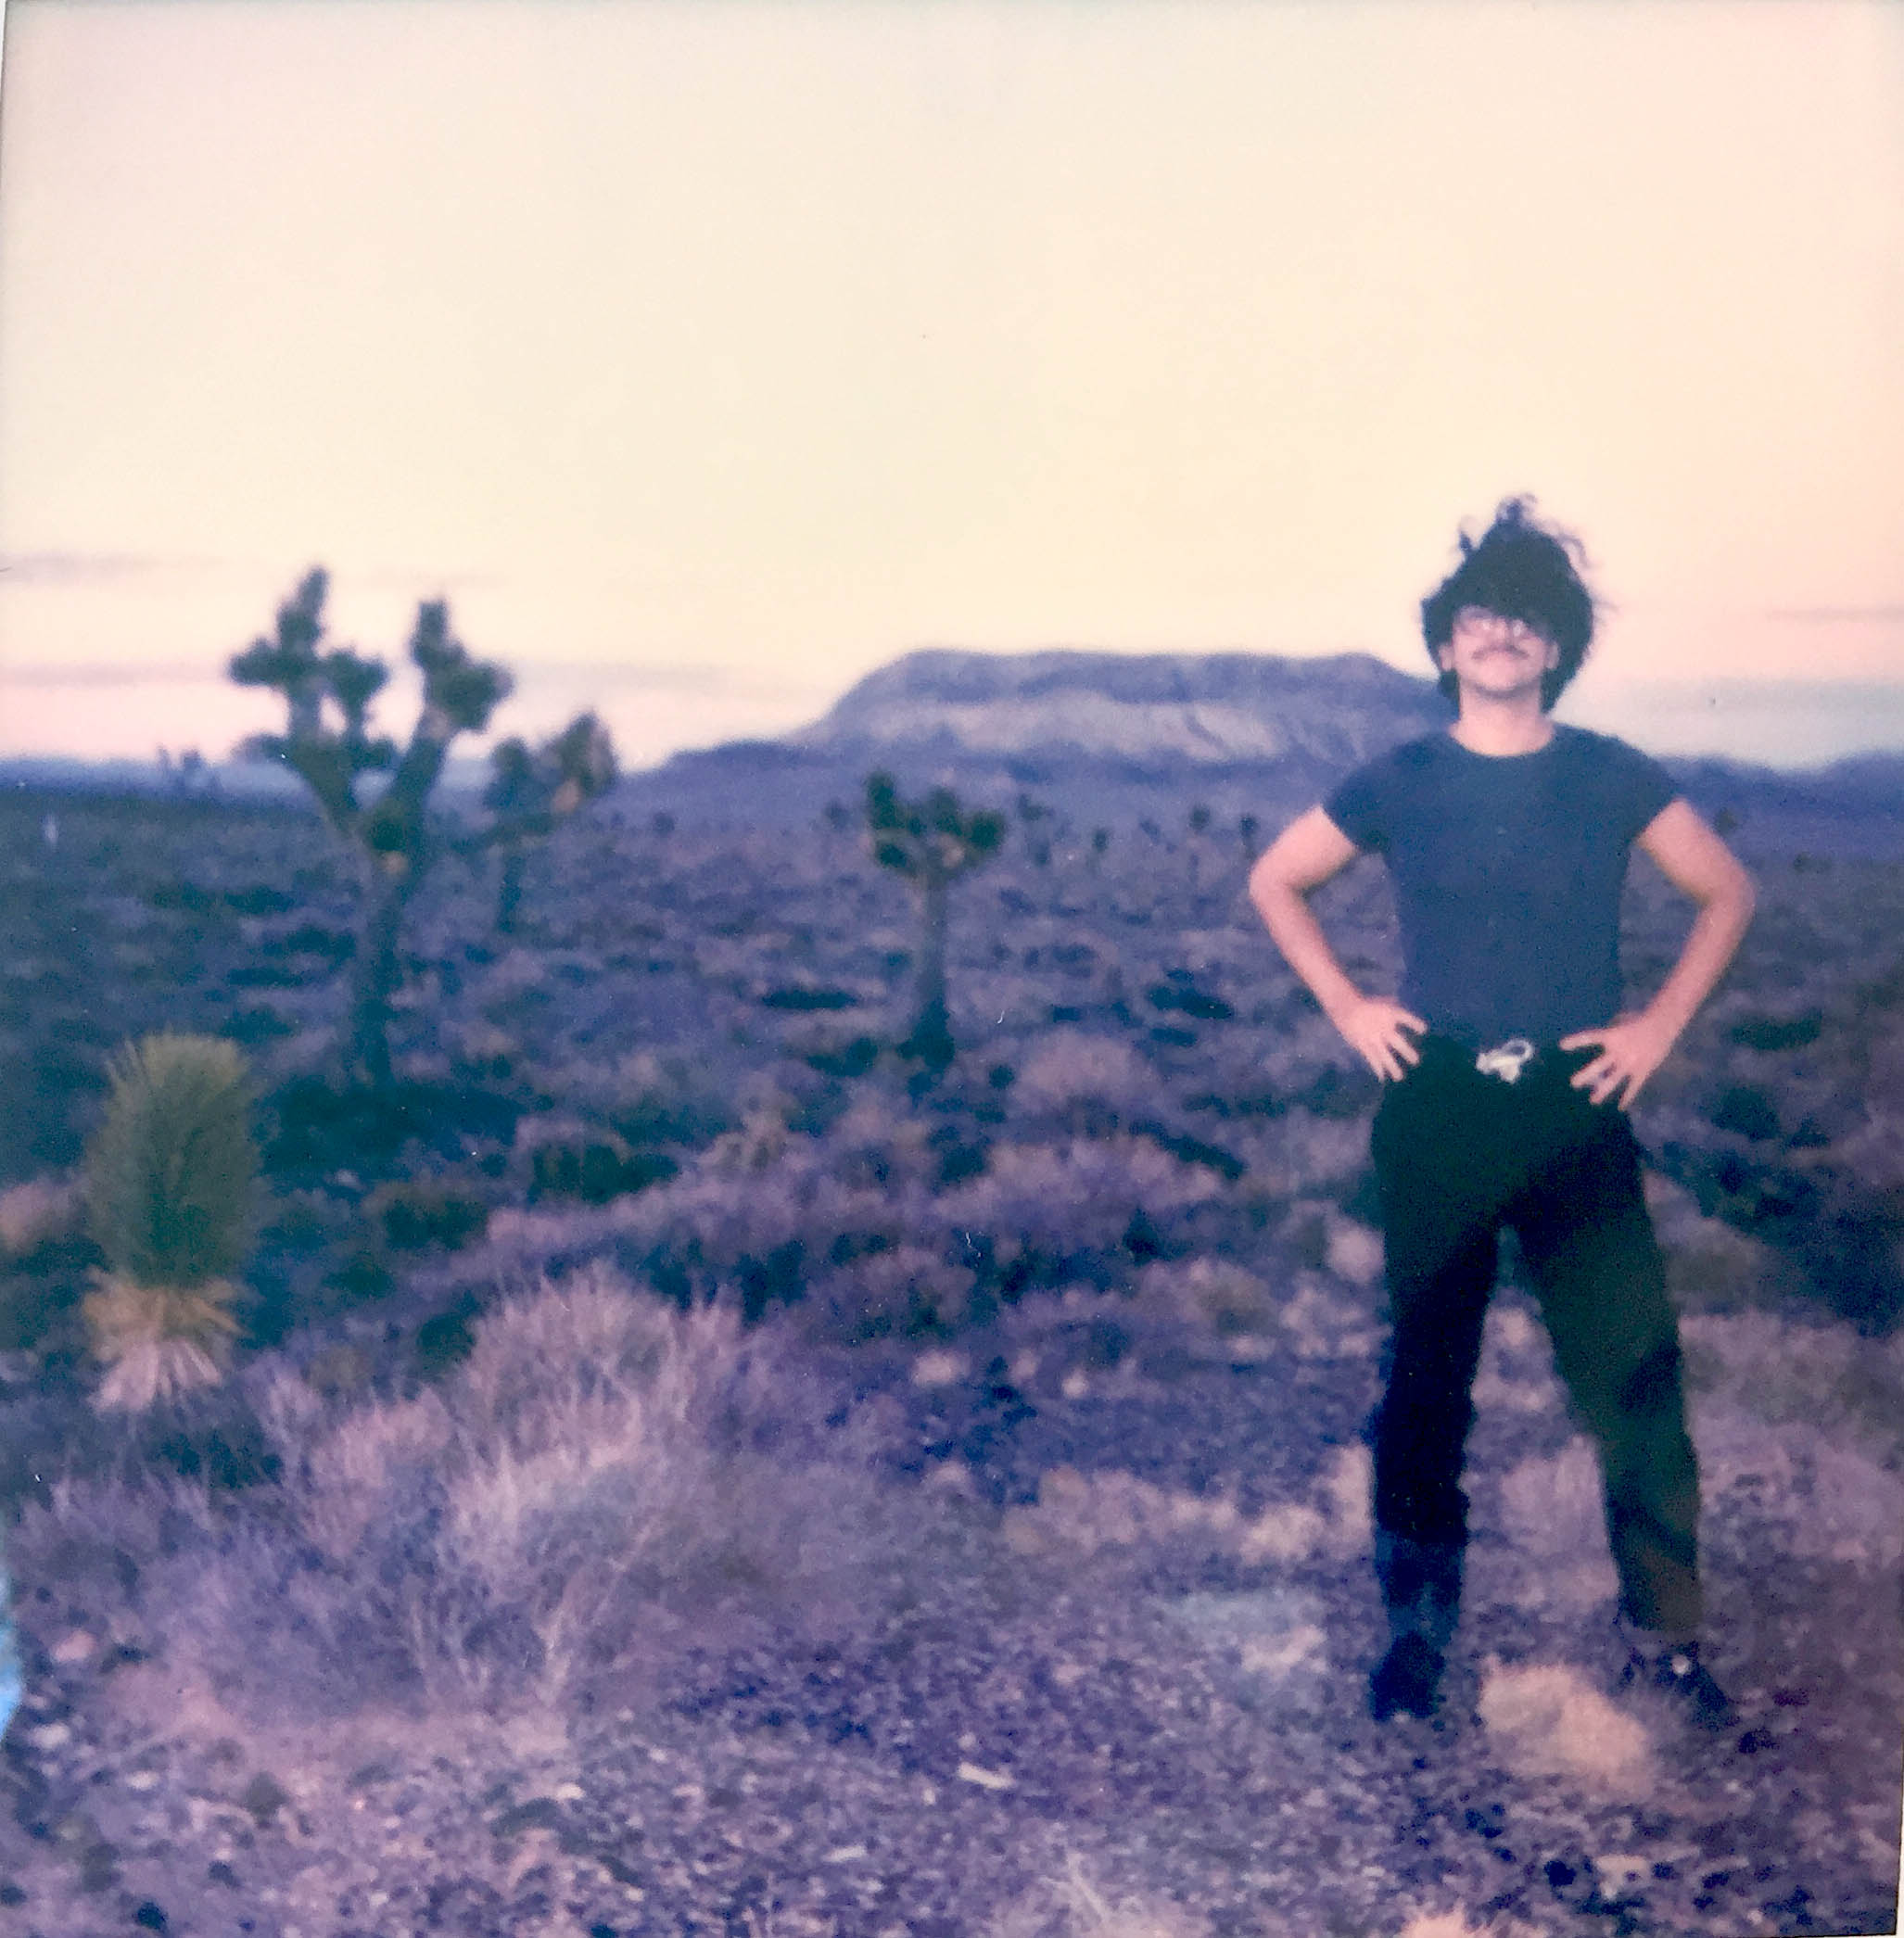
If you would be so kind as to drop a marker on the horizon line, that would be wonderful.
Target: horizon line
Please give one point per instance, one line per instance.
(691, 676)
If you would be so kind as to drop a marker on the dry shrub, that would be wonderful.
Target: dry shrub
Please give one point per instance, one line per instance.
(875, 1144)
(107, 1544)
(1347, 1491)
(39, 1213)
(558, 1130)
(351, 1469)
(722, 1212)
(719, 1221)
(1793, 1489)
(1087, 1514)
(1717, 1269)
(516, 1238)
(647, 1098)
(809, 1216)
(1546, 1719)
(1517, 1371)
(1552, 1504)
(940, 1366)
(1709, 1265)
(509, 978)
(1319, 1153)
(34, 1213)
(902, 1291)
(1078, 1196)
(757, 1143)
(1875, 1149)
(1822, 1373)
(1494, 1392)
(1212, 1293)
(1072, 1905)
(479, 1043)
(1070, 1066)
(1318, 1324)
(1554, 1517)
(604, 1482)
(1354, 1251)
(1455, 1924)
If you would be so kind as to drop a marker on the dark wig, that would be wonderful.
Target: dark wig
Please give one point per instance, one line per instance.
(1522, 570)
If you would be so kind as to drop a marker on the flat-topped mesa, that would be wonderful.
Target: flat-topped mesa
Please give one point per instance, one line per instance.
(1214, 709)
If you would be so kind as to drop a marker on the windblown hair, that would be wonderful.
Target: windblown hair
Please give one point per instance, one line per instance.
(1522, 570)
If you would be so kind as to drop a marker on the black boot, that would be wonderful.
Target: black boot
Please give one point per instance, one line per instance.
(1421, 1589)
(1676, 1668)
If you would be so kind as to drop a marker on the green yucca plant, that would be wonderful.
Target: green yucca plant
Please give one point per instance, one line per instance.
(170, 1182)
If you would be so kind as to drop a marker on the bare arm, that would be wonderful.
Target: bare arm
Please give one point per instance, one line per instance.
(1687, 852)
(1310, 851)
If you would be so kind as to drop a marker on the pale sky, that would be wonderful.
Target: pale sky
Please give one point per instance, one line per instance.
(735, 348)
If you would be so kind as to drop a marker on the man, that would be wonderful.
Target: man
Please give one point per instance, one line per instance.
(1507, 1067)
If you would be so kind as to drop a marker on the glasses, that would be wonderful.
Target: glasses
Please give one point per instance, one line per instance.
(1481, 618)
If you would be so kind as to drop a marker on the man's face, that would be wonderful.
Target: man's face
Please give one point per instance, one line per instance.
(1495, 655)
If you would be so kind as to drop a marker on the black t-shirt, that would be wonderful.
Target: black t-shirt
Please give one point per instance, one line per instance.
(1508, 874)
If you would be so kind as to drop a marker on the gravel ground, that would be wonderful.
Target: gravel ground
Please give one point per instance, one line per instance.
(1163, 1716)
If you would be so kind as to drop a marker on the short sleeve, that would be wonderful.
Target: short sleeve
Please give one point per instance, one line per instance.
(1639, 787)
(1359, 805)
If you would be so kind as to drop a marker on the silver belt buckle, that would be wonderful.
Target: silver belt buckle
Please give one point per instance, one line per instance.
(1506, 1061)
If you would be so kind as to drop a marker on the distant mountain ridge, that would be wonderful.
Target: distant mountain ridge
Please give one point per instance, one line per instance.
(1114, 739)
(1220, 709)
(1106, 738)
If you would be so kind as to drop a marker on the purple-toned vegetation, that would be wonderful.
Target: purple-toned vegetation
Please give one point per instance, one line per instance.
(658, 1314)
(601, 1482)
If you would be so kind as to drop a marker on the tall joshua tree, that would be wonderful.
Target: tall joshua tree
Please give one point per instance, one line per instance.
(931, 843)
(531, 792)
(328, 741)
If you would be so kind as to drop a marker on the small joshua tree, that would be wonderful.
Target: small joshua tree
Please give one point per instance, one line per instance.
(530, 794)
(169, 1181)
(329, 743)
(931, 843)
(1031, 815)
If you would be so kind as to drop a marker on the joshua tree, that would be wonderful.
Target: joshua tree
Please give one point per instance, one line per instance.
(530, 794)
(170, 1177)
(389, 833)
(184, 777)
(1031, 815)
(1200, 830)
(931, 843)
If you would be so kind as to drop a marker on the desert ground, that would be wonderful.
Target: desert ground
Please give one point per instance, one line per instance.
(691, 1468)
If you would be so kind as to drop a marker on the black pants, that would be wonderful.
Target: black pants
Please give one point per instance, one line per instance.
(1458, 1154)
